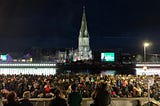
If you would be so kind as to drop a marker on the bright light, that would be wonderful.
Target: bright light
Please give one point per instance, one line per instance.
(146, 44)
(148, 65)
(33, 71)
(26, 65)
(150, 71)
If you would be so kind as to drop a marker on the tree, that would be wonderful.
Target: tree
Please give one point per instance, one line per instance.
(139, 58)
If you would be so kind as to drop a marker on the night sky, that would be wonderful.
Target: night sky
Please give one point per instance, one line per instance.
(52, 24)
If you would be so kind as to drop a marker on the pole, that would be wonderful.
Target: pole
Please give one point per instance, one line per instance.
(157, 58)
(144, 53)
(145, 49)
(148, 92)
(68, 71)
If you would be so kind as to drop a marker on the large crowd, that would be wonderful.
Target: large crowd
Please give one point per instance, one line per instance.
(42, 86)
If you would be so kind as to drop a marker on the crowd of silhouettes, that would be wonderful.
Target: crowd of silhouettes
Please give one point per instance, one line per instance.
(41, 86)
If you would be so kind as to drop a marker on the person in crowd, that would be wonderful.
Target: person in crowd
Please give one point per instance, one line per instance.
(11, 99)
(47, 89)
(94, 94)
(75, 97)
(1, 102)
(118, 85)
(25, 101)
(102, 97)
(58, 100)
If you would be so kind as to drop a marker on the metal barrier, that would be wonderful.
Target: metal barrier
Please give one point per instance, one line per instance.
(115, 102)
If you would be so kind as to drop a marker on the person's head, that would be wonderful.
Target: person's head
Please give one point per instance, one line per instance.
(11, 96)
(103, 86)
(53, 90)
(26, 95)
(74, 86)
(57, 92)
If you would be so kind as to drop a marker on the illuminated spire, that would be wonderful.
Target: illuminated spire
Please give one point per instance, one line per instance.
(84, 51)
(84, 30)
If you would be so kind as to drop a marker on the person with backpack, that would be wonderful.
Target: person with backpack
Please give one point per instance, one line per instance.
(75, 97)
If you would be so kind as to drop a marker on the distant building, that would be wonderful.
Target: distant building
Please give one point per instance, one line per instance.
(61, 56)
(83, 52)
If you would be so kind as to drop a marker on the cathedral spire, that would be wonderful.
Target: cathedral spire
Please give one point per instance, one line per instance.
(83, 41)
(84, 30)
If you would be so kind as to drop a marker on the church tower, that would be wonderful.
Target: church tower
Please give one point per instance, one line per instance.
(84, 52)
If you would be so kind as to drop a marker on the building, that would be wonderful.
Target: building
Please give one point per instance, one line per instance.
(83, 52)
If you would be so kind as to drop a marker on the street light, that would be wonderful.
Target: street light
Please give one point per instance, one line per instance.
(145, 45)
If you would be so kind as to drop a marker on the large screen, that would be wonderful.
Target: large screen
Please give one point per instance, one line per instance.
(3, 57)
(108, 56)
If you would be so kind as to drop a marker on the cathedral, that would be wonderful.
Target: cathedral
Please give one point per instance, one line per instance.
(83, 52)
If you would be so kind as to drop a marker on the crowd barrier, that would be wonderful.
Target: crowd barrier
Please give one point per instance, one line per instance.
(115, 102)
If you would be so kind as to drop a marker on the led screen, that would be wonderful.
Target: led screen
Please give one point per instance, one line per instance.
(108, 57)
(4, 57)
